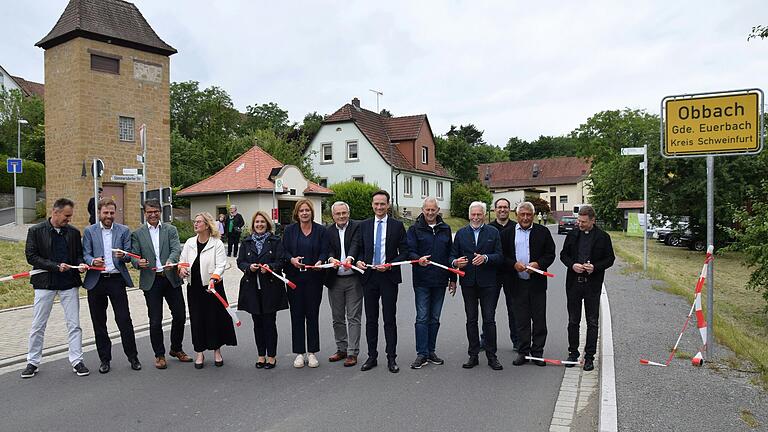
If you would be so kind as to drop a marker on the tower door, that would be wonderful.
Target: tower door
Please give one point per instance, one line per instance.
(116, 192)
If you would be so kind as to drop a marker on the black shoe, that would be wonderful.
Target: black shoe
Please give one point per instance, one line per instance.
(392, 366)
(199, 365)
(434, 359)
(218, 363)
(419, 362)
(80, 369)
(589, 364)
(493, 362)
(268, 365)
(260, 364)
(520, 360)
(472, 362)
(135, 364)
(104, 367)
(571, 358)
(369, 364)
(29, 371)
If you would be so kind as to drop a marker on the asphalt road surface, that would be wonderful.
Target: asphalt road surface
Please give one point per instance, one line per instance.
(238, 397)
(6, 216)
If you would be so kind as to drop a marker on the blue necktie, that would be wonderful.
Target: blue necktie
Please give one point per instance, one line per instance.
(377, 245)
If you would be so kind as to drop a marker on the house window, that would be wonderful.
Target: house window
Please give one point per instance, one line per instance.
(127, 129)
(424, 155)
(424, 188)
(102, 63)
(563, 199)
(326, 153)
(408, 186)
(439, 190)
(552, 189)
(352, 150)
(323, 182)
(358, 179)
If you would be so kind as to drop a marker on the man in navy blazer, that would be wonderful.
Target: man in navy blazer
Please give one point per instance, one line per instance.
(477, 250)
(108, 285)
(528, 244)
(384, 241)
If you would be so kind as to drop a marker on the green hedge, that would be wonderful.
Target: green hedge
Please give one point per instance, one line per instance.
(33, 175)
(464, 194)
(358, 195)
(185, 230)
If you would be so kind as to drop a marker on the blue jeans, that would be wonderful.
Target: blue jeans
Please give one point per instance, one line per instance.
(429, 304)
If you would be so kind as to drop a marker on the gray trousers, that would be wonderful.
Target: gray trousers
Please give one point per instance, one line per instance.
(346, 299)
(70, 302)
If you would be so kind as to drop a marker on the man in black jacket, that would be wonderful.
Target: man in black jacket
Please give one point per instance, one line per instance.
(587, 253)
(345, 292)
(528, 245)
(502, 223)
(233, 227)
(55, 246)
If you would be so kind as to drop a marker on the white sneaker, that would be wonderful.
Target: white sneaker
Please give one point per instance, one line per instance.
(299, 362)
(312, 361)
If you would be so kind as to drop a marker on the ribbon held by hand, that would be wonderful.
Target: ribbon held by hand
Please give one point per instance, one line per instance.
(541, 272)
(232, 313)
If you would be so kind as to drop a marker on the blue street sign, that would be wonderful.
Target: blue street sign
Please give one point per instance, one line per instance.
(14, 165)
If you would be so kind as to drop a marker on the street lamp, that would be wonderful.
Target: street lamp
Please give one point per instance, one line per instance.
(19, 122)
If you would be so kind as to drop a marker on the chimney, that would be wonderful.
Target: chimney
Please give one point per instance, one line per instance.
(356, 103)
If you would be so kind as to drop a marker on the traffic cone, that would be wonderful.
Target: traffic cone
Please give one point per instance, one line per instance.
(698, 359)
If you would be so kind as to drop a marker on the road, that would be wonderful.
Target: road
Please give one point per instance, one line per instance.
(239, 397)
(6, 216)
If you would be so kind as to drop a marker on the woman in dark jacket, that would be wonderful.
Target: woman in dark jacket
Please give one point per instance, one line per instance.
(262, 294)
(305, 244)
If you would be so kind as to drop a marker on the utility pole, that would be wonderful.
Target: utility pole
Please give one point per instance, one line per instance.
(378, 93)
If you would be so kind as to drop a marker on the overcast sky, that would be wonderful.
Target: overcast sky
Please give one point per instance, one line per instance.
(511, 68)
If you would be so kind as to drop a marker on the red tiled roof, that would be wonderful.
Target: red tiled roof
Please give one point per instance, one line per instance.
(248, 173)
(31, 88)
(633, 204)
(564, 170)
(383, 132)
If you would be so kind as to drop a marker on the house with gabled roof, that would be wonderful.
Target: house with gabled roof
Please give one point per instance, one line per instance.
(395, 153)
(249, 182)
(560, 181)
(9, 82)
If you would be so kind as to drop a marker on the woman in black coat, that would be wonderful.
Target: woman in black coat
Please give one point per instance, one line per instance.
(262, 294)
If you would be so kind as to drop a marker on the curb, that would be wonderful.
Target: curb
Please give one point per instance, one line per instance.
(608, 421)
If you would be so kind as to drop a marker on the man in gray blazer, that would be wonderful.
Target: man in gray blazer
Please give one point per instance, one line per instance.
(109, 284)
(157, 244)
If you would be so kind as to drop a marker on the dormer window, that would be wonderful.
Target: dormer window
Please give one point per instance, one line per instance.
(536, 171)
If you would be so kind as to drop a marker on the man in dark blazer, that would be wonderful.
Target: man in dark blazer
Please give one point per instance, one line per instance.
(345, 292)
(384, 241)
(528, 244)
(502, 207)
(158, 244)
(233, 227)
(476, 249)
(587, 253)
(108, 286)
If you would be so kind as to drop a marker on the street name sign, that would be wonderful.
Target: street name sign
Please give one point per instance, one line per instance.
(712, 124)
(127, 178)
(14, 165)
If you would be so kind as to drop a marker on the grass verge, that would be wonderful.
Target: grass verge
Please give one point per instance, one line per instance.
(740, 323)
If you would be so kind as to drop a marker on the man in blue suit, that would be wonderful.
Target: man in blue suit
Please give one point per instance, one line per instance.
(384, 241)
(477, 250)
(108, 285)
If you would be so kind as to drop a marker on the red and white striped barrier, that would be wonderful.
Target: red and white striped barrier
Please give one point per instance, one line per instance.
(319, 267)
(452, 270)
(87, 267)
(281, 277)
(132, 255)
(701, 322)
(21, 275)
(183, 264)
(353, 267)
(231, 311)
(555, 361)
(541, 272)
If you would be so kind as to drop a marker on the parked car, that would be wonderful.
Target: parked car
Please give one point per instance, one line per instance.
(566, 224)
(670, 234)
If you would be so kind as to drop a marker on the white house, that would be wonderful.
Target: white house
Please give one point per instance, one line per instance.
(395, 153)
(27, 88)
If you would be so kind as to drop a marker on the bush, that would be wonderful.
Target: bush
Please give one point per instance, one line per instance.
(357, 195)
(33, 175)
(540, 205)
(41, 210)
(463, 195)
(185, 230)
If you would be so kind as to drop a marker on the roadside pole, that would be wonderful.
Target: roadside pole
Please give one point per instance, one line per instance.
(710, 241)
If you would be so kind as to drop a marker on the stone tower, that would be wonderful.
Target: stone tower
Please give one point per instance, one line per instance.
(106, 74)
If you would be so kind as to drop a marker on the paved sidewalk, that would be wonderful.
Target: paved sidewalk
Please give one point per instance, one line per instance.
(15, 322)
(11, 232)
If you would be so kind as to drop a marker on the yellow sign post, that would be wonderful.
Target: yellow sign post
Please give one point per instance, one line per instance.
(727, 123)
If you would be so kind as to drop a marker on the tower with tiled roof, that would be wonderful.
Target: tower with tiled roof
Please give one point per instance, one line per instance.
(106, 74)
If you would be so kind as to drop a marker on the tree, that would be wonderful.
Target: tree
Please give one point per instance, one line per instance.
(758, 31)
(751, 235)
(14, 106)
(468, 133)
(385, 113)
(267, 116)
(204, 115)
(464, 194)
(357, 195)
(457, 157)
(545, 147)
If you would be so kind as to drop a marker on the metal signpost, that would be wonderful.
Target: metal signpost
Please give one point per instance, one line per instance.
(727, 123)
(637, 151)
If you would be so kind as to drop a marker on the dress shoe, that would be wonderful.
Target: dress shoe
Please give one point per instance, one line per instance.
(104, 367)
(493, 362)
(589, 365)
(520, 360)
(312, 360)
(135, 363)
(181, 355)
(350, 361)
(268, 365)
(160, 362)
(392, 366)
(199, 365)
(369, 364)
(218, 363)
(472, 362)
(571, 358)
(337, 356)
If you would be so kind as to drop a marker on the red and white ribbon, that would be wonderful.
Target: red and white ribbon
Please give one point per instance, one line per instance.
(452, 270)
(393, 264)
(279, 276)
(318, 267)
(541, 272)
(555, 361)
(22, 275)
(132, 255)
(353, 267)
(182, 264)
(231, 311)
(87, 267)
(701, 322)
